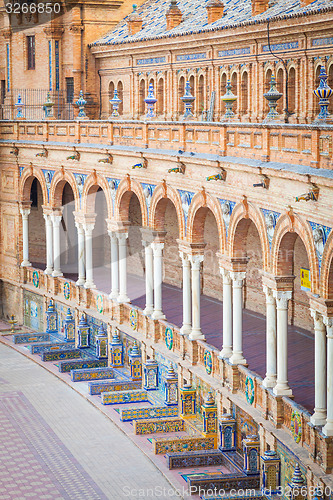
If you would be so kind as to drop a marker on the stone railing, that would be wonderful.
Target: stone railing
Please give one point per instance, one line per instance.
(296, 144)
(282, 412)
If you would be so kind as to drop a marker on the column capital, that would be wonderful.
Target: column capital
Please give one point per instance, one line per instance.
(25, 212)
(56, 219)
(184, 256)
(282, 298)
(270, 299)
(47, 210)
(226, 276)
(157, 246)
(47, 218)
(196, 260)
(88, 228)
(79, 218)
(328, 322)
(122, 236)
(237, 277)
(317, 318)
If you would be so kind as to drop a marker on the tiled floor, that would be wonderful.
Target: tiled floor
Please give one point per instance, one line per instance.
(300, 342)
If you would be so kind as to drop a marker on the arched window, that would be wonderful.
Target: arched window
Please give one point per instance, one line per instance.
(201, 95)
(244, 93)
(120, 96)
(291, 90)
(160, 97)
(280, 87)
(142, 92)
(111, 91)
(181, 90)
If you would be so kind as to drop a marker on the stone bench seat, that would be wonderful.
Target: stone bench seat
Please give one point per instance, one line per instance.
(120, 397)
(129, 414)
(60, 354)
(222, 481)
(27, 338)
(112, 386)
(163, 445)
(92, 374)
(49, 346)
(155, 425)
(202, 458)
(67, 366)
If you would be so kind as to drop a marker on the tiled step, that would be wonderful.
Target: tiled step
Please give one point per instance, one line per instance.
(92, 374)
(27, 338)
(155, 425)
(235, 460)
(164, 445)
(49, 346)
(126, 415)
(67, 366)
(60, 354)
(220, 481)
(195, 459)
(112, 385)
(119, 397)
(247, 495)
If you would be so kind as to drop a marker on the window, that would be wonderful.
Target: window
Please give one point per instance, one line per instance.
(31, 51)
(69, 89)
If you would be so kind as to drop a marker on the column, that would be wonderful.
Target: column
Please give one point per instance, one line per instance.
(114, 266)
(328, 428)
(158, 278)
(270, 379)
(81, 254)
(49, 244)
(282, 388)
(319, 416)
(186, 328)
(149, 276)
(226, 351)
(122, 242)
(25, 236)
(56, 219)
(196, 333)
(88, 229)
(237, 357)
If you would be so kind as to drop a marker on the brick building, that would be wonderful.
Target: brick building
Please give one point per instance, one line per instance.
(207, 238)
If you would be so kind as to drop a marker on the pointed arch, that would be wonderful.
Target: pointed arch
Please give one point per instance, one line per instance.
(197, 217)
(157, 210)
(126, 188)
(92, 184)
(26, 179)
(294, 225)
(241, 216)
(57, 186)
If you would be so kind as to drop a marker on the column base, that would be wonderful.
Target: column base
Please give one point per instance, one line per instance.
(114, 295)
(25, 263)
(269, 382)
(196, 335)
(89, 285)
(319, 417)
(282, 390)
(57, 274)
(48, 271)
(185, 330)
(237, 359)
(225, 353)
(123, 299)
(80, 282)
(148, 311)
(158, 315)
(328, 428)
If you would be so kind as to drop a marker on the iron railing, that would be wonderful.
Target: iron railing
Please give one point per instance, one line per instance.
(33, 101)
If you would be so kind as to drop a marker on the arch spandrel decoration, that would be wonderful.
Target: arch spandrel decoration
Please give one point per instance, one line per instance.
(326, 283)
(48, 174)
(113, 185)
(293, 223)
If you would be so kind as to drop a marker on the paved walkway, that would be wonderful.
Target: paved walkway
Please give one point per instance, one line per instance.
(55, 445)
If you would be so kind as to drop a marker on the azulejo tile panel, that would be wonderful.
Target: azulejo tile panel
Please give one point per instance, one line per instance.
(67, 366)
(51, 346)
(151, 426)
(26, 338)
(118, 397)
(91, 374)
(171, 445)
(149, 412)
(33, 311)
(195, 459)
(106, 387)
(60, 354)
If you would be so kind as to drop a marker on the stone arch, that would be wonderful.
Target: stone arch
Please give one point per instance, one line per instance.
(157, 209)
(92, 184)
(57, 186)
(326, 282)
(201, 202)
(240, 219)
(26, 179)
(124, 193)
(287, 228)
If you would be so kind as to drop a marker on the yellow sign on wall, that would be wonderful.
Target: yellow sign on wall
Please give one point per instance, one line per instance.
(305, 280)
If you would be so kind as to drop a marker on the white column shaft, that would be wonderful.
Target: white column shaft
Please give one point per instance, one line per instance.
(56, 219)
(328, 429)
(270, 379)
(186, 327)
(25, 237)
(320, 414)
(81, 255)
(226, 351)
(237, 318)
(196, 333)
(282, 388)
(89, 283)
(158, 278)
(114, 267)
(149, 276)
(49, 244)
(122, 297)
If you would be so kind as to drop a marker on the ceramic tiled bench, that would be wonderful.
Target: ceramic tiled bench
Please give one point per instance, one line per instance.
(202, 458)
(26, 338)
(112, 385)
(91, 374)
(119, 397)
(67, 366)
(49, 346)
(60, 354)
(129, 414)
